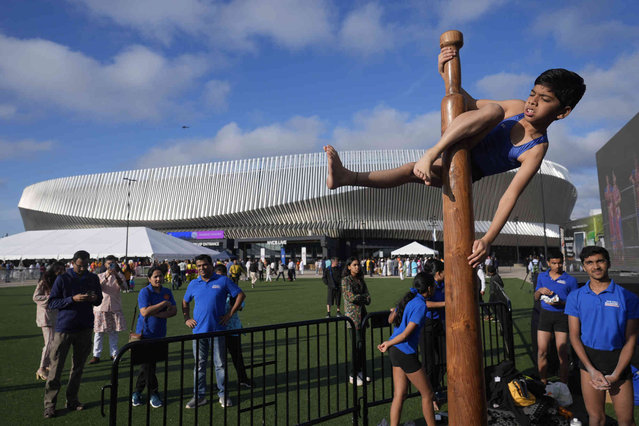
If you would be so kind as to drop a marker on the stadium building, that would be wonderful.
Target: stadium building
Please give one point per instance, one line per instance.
(282, 205)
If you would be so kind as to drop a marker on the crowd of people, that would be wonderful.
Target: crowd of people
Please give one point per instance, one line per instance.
(78, 310)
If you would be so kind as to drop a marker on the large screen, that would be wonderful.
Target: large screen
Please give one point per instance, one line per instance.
(618, 172)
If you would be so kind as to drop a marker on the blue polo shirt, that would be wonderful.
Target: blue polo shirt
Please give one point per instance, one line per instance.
(210, 301)
(603, 316)
(562, 286)
(438, 296)
(415, 311)
(152, 327)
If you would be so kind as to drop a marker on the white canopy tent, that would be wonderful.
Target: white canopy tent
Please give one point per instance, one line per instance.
(414, 249)
(99, 242)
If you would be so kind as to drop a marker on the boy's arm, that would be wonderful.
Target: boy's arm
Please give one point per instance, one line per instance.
(507, 202)
(627, 351)
(597, 379)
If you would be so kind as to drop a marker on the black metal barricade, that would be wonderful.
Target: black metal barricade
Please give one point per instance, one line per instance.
(497, 340)
(299, 373)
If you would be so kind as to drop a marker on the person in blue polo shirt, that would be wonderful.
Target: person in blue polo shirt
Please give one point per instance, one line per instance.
(603, 320)
(409, 317)
(156, 304)
(209, 291)
(553, 288)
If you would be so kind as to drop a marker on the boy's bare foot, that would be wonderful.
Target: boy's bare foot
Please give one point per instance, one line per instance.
(338, 175)
(423, 165)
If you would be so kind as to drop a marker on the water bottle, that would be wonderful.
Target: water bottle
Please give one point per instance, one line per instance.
(575, 422)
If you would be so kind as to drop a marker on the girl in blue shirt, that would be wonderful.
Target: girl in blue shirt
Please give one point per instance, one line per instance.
(409, 318)
(156, 305)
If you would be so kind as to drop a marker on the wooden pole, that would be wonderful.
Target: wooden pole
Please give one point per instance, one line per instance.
(466, 389)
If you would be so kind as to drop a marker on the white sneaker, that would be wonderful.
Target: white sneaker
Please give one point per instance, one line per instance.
(227, 403)
(201, 401)
(360, 382)
(361, 377)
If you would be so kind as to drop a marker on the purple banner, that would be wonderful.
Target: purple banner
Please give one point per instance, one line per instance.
(208, 235)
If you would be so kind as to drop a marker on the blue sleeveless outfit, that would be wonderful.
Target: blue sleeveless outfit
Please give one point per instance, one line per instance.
(496, 154)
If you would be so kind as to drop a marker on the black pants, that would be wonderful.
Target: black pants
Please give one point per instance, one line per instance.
(432, 344)
(234, 346)
(147, 377)
(280, 274)
(359, 360)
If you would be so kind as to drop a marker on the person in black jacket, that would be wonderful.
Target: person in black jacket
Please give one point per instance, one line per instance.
(332, 277)
(74, 294)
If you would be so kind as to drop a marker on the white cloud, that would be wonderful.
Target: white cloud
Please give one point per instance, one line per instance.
(363, 32)
(587, 186)
(158, 19)
(455, 12)
(291, 23)
(216, 93)
(387, 128)
(380, 128)
(574, 151)
(7, 111)
(297, 135)
(505, 85)
(610, 93)
(135, 84)
(23, 148)
(229, 25)
(583, 28)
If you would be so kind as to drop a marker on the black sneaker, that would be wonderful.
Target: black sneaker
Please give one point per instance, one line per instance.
(75, 406)
(246, 383)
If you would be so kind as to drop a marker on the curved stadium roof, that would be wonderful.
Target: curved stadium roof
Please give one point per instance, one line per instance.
(287, 196)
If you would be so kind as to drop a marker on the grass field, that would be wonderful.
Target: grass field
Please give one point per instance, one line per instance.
(277, 302)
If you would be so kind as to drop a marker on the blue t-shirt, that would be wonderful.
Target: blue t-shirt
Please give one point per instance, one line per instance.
(415, 311)
(603, 316)
(152, 327)
(413, 268)
(561, 286)
(234, 323)
(438, 296)
(210, 301)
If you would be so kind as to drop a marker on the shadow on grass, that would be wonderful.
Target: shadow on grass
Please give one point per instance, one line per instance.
(23, 336)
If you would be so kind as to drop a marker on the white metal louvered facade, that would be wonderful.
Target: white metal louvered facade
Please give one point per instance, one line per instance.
(286, 196)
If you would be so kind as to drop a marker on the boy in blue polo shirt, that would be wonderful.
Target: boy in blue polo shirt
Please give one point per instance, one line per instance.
(553, 287)
(603, 322)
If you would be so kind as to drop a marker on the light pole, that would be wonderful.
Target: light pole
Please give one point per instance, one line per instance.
(517, 236)
(128, 215)
(543, 213)
(363, 241)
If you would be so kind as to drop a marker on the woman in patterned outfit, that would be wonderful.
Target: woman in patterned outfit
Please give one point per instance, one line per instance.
(45, 317)
(356, 297)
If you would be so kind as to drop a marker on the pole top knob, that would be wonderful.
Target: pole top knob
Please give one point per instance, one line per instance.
(451, 38)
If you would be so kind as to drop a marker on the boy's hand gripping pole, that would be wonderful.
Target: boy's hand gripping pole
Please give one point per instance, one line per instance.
(466, 389)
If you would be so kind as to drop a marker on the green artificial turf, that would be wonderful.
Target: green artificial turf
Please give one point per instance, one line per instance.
(277, 302)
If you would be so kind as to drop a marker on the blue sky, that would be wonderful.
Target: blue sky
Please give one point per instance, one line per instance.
(90, 86)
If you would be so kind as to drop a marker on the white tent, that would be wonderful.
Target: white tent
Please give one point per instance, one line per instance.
(99, 242)
(414, 249)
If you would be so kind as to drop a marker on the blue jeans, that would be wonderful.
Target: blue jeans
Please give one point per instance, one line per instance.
(219, 360)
